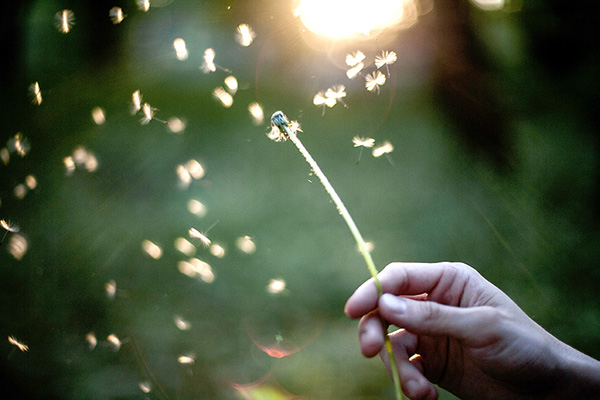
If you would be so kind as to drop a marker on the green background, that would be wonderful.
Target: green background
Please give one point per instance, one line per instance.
(494, 119)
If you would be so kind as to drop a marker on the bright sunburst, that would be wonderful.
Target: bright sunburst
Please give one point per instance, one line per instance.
(343, 18)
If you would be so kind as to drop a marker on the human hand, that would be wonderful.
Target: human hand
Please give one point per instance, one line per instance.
(462, 333)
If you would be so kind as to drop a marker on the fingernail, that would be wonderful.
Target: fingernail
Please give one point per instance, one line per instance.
(396, 304)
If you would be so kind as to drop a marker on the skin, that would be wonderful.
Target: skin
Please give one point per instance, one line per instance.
(465, 335)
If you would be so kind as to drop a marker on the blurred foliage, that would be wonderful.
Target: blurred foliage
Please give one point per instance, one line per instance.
(494, 120)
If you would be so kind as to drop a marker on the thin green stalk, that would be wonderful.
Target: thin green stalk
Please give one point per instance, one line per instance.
(286, 131)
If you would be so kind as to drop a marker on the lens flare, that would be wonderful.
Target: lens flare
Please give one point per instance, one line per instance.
(344, 18)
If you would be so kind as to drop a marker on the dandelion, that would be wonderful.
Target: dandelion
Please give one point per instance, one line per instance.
(386, 58)
(337, 92)
(354, 71)
(114, 341)
(232, 84)
(209, 62)
(64, 20)
(280, 121)
(196, 234)
(23, 347)
(36, 93)
(181, 324)
(362, 143)
(321, 99)
(148, 112)
(257, 113)
(225, 98)
(116, 15)
(136, 102)
(91, 340)
(355, 58)
(281, 135)
(385, 148)
(245, 244)
(9, 227)
(276, 286)
(98, 115)
(374, 80)
(180, 49)
(186, 359)
(143, 5)
(152, 249)
(245, 35)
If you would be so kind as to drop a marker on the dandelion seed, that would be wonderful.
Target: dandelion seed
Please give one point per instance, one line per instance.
(116, 15)
(145, 387)
(9, 227)
(209, 61)
(245, 244)
(91, 340)
(276, 286)
(225, 98)
(197, 208)
(5, 155)
(17, 246)
(245, 35)
(337, 92)
(98, 115)
(321, 99)
(23, 347)
(148, 112)
(36, 93)
(355, 58)
(362, 143)
(180, 49)
(374, 80)
(185, 247)
(143, 5)
(257, 113)
(20, 191)
(386, 58)
(196, 234)
(114, 342)
(176, 125)
(69, 164)
(19, 144)
(196, 268)
(152, 249)
(136, 100)
(110, 288)
(384, 149)
(354, 71)
(181, 324)
(187, 359)
(195, 169)
(217, 250)
(232, 84)
(64, 20)
(31, 182)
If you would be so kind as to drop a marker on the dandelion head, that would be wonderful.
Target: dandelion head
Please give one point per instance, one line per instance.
(279, 126)
(64, 20)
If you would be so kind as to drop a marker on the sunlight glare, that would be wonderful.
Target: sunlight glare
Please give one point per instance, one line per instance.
(344, 18)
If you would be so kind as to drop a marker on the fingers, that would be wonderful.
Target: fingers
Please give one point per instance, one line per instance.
(407, 279)
(410, 368)
(472, 325)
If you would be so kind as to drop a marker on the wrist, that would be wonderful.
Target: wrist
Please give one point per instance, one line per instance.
(578, 375)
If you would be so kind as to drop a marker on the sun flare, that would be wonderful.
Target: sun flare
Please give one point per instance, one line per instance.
(344, 18)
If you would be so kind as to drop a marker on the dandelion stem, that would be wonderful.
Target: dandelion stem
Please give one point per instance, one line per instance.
(280, 120)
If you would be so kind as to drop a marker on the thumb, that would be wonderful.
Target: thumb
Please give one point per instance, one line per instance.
(431, 318)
